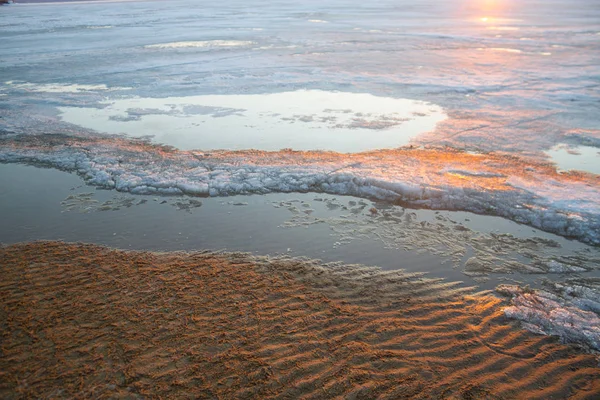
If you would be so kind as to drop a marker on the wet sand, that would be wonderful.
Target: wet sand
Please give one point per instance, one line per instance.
(89, 321)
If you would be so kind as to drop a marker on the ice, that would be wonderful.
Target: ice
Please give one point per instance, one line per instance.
(205, 43)
(517, 51)
(504, 28)
(495, 101)
(441, 233)
(61, 88)
(499, 112)
(527, 193)
(567, 309)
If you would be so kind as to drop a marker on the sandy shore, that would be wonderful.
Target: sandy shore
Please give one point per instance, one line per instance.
(83, 321)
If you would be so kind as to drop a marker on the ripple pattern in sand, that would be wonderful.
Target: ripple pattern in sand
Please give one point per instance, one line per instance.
(87, 321)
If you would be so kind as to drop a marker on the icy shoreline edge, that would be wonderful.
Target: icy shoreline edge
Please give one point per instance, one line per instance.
(436, 179)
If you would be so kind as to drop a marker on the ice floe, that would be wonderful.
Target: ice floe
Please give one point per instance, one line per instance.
(61, 87)
(85, 203)
(568, 309)
(503, 49)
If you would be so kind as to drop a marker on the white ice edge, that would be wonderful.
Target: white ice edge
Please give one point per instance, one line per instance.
(61, 87)
(200, 44)
(418, 180)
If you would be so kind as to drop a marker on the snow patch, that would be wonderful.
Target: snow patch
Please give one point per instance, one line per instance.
(203, 43)
(503, 49)
(62, 87)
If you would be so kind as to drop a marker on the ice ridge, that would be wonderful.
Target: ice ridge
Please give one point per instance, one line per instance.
(536, 195)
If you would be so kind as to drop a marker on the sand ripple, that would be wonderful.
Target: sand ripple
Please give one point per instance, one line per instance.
(87, 321)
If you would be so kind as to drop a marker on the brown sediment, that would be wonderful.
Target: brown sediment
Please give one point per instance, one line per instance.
(83, 321)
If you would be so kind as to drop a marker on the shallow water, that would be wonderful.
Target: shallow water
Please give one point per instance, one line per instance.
(52, 205)
(300, 120)
(583, 158)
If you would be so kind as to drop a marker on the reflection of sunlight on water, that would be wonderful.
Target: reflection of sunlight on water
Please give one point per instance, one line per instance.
(491, 10)
(301, 120)
(504, 49)
(581, 158)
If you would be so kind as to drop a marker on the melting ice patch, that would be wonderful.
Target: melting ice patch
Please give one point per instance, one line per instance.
(503, 28)
(581, 158)
(514, 51)
(300, 120)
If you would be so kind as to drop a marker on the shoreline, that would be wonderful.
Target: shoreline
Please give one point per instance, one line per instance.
(485, 185)
(88, 321)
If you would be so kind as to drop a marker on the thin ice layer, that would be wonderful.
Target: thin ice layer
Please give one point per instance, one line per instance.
(534, 194)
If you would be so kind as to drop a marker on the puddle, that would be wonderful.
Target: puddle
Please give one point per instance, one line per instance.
(300, 120)
(582, 158)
